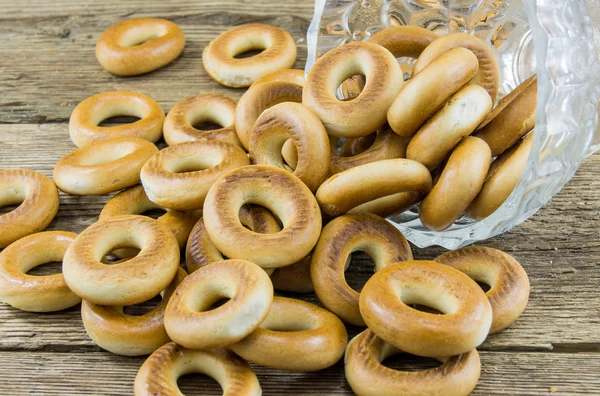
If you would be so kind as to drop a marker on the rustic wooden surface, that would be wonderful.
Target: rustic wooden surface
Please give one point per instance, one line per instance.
(47, 66)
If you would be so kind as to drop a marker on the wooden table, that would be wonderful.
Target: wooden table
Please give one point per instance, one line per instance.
(47, 66)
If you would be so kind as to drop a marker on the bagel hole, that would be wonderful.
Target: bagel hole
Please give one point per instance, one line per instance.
(286, 327)
(425, 308)
(8, 208)
(351, 87)
(198, 384)
(45, 269)
(143, 308)
(120, 255)
(355, 146)
(221, 300)
(412, 363)
(118, 120)
(484, 286)
(249, 54)
(191, 165)
(248, 226)
(358, 270)
(154, 213)
(206, 125)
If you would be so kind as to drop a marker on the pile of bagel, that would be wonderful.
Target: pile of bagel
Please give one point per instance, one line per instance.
(293, 181)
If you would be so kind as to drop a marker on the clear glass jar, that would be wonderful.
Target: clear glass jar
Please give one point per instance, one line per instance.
(553, 38)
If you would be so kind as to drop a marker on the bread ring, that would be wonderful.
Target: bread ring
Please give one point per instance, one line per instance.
(339, 239)
(457, 118)
(508, 281)
(87, 115)
(259, 98)
(139, 46)
(460, 182)
(219, 56)
(191, 322)
(354, 146)
(347, 118)
(111, 329)
(131, 282)
(512, 118)
(488, 75)
(277, 190)
(159, 373)
(292, 76)
(502, 178)
(295, 336)
(428, 90)
(296, 122)
(103, 167)
(220, 109)
(38, 199)
(466, 312)
(36, 293)
(361, 184)
(294, 278)
(457, 376)
(404, 41)
(179, 176)
(387, 206)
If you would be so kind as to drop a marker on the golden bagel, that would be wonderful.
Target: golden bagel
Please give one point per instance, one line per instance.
(292, 76)
(404, 41)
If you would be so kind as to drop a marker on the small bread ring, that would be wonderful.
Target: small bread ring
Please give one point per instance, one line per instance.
(488, 75)
(460, 182)
(295, 336)
(159, 373)
(139, 46)
(131, 282)
(388, 206)
(294, 278)
(347, 118)
(179, 176)
(259, 98)
(512, 118)
(103, 167)
(502, 178)
(220, 109)
(87, 115)
(508, 281)
(277, 190)
(428, 90)
(191, 323)
(36, 293)
(404, 41)
(219, 56)
(457, 376)
(340, 238)
(457, 118)
(361, 184)
(295, 122)
(292, 76)
(111, 329)
(466, 312)
(38, 199)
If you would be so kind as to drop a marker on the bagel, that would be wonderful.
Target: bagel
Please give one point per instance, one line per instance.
(339, 239)
(219, 56)
(457, 376)
(292, 76)
(347, 118)
(139, 46)
(389, 205)
(191, 322)
(466, 312)
(179, 176)
(294, 278)
(36, 293)
(179, 123)
(428, 90)
(84, 123)
(104, 167)
(126, 283)
(404, 41)
(508, 281)
(160, 372)
(38, 199)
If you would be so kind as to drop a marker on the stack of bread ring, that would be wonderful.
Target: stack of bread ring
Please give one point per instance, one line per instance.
(293, 182)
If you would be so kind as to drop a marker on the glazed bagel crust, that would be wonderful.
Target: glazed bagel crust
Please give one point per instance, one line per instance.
(339, 239)
(216, 108)
(292, 76)
(159, 373)
(508, 281)
(389, 205)
(179, 176)
(220, 62)
(85, 119)
(362, 184)
(457, 376)
(299, 124)
(277, 190)
(488, 75)
(404, 41)
(38, 199)
(428, 90)
(122, 334)
(385, 306)
(139, 46)
(36, 293)
(126, 283)
(103, 167)
(191, 323)
(347, 118)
